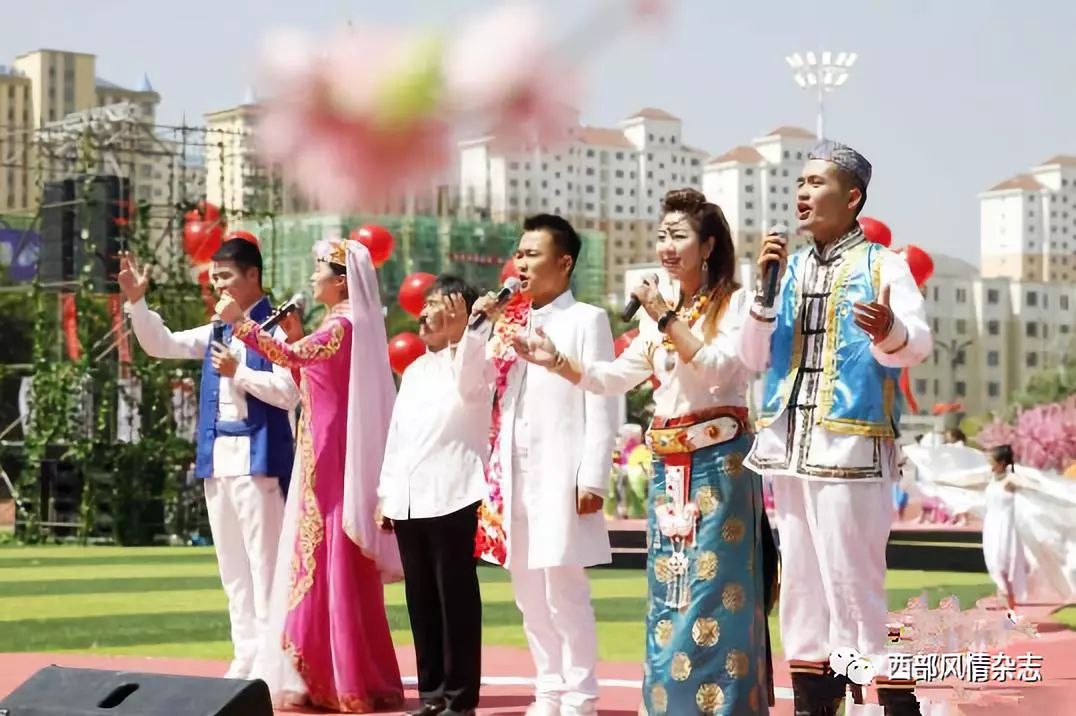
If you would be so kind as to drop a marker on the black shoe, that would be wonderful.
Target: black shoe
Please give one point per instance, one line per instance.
(817, 694)
(898, 702)
(429, 710)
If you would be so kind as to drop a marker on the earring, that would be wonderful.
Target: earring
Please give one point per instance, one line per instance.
(705, 267)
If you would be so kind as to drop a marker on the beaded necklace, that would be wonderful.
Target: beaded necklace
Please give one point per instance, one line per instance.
(689, 315)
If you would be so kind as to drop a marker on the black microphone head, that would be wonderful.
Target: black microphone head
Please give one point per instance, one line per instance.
(512, 286)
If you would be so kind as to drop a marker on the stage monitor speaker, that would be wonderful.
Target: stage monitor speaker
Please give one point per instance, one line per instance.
(58, 691)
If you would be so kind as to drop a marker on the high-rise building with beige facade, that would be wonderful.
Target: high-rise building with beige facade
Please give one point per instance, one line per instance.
(755, 184)
(1028, 224)
(605, 179)
(38, 92)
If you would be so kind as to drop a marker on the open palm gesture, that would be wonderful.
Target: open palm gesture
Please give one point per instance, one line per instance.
(537, 349)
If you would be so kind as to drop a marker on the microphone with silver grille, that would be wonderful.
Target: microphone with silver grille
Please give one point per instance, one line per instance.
(509, 289)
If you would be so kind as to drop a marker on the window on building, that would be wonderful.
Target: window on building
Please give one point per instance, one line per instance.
(936, 387)
(590, 152)
(590, 207)
(993, 390)
(620, 191)
(773, 206)
(937, 325)
(961, 326)
(961, 389)
(1032, 360)
(590, 189)
(619, 173)
(993, 359)
(961, 295)
(513, 182)
(749, 189)
(619, 209)
(961, 357)
(749, 171)
(620, 155)
(993, 297)
(787, 154)
(921, 386)
(749, 205)
(1064, 303)
(748, 222)
(1032, 299)
(1031, 330)
(993, 327)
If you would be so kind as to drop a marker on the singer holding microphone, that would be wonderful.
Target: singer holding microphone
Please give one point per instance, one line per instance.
(549, 467)
(706, 627)
(832, 333)
(432, 482)
(244, 439)
(328, 641)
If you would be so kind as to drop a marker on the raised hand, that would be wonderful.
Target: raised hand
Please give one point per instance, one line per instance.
(487, 306)
(227, 309)
(537, 349)
(876, 317)
(455, 313)
(650, 299)
(133, 283)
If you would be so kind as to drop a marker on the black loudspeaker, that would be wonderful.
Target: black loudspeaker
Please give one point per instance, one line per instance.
(57, 691)
(98, 205)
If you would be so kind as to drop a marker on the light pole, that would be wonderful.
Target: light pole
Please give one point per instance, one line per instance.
(822, 73)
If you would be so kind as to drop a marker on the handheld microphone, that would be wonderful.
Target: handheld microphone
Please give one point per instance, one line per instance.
(509, 289)
(769, 289)
(633, 304)
(218, 329)
(293, 304)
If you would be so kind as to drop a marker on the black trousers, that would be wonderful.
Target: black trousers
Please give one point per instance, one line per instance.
(444, 604)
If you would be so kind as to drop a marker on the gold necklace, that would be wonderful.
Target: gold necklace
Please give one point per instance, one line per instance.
(688, 315)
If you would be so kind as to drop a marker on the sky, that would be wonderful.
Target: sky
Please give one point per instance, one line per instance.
(948, 97)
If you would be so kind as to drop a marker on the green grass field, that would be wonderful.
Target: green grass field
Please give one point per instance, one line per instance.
(159, 601)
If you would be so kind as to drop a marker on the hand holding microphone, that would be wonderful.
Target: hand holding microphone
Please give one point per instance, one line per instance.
(489, 307)
(649, 285)
(772, 260)
(296, 303)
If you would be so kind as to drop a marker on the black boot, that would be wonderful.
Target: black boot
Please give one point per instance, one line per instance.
(816, 690)
(897, 698)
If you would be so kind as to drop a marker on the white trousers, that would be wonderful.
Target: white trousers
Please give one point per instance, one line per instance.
(245, 515)
(558, 619)
(833, 540)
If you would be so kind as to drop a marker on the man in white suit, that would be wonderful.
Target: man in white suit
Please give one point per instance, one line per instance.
(555, 451)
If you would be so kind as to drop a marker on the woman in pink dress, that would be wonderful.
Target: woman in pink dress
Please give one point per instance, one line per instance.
(330, 641)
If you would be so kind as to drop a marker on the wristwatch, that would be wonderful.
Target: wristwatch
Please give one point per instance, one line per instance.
(663, 322)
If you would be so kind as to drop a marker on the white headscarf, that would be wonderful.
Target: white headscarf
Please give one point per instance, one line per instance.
(371, 393)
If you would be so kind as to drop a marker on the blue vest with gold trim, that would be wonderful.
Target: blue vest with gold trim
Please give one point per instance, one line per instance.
(267, 426)
(857, 395)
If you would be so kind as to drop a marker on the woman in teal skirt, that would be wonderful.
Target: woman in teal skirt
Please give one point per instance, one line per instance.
(711, 564)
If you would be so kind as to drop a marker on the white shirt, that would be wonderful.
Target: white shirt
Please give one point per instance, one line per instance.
(438, 441)
(231, 453)
(715, 376)
(795, 444)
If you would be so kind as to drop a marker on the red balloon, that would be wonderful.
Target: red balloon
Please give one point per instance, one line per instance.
(244, 235)
(209, 212)
(509, 271)
(920, 263)
(377, 240)
(412, 294)
(876, 232)
(404, 348)
(201, 239)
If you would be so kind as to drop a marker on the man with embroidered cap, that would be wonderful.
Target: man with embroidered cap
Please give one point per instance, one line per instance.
(846, 319)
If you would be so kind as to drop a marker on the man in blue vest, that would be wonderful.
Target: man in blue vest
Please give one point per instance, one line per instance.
(848, 316)
(245, 443)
